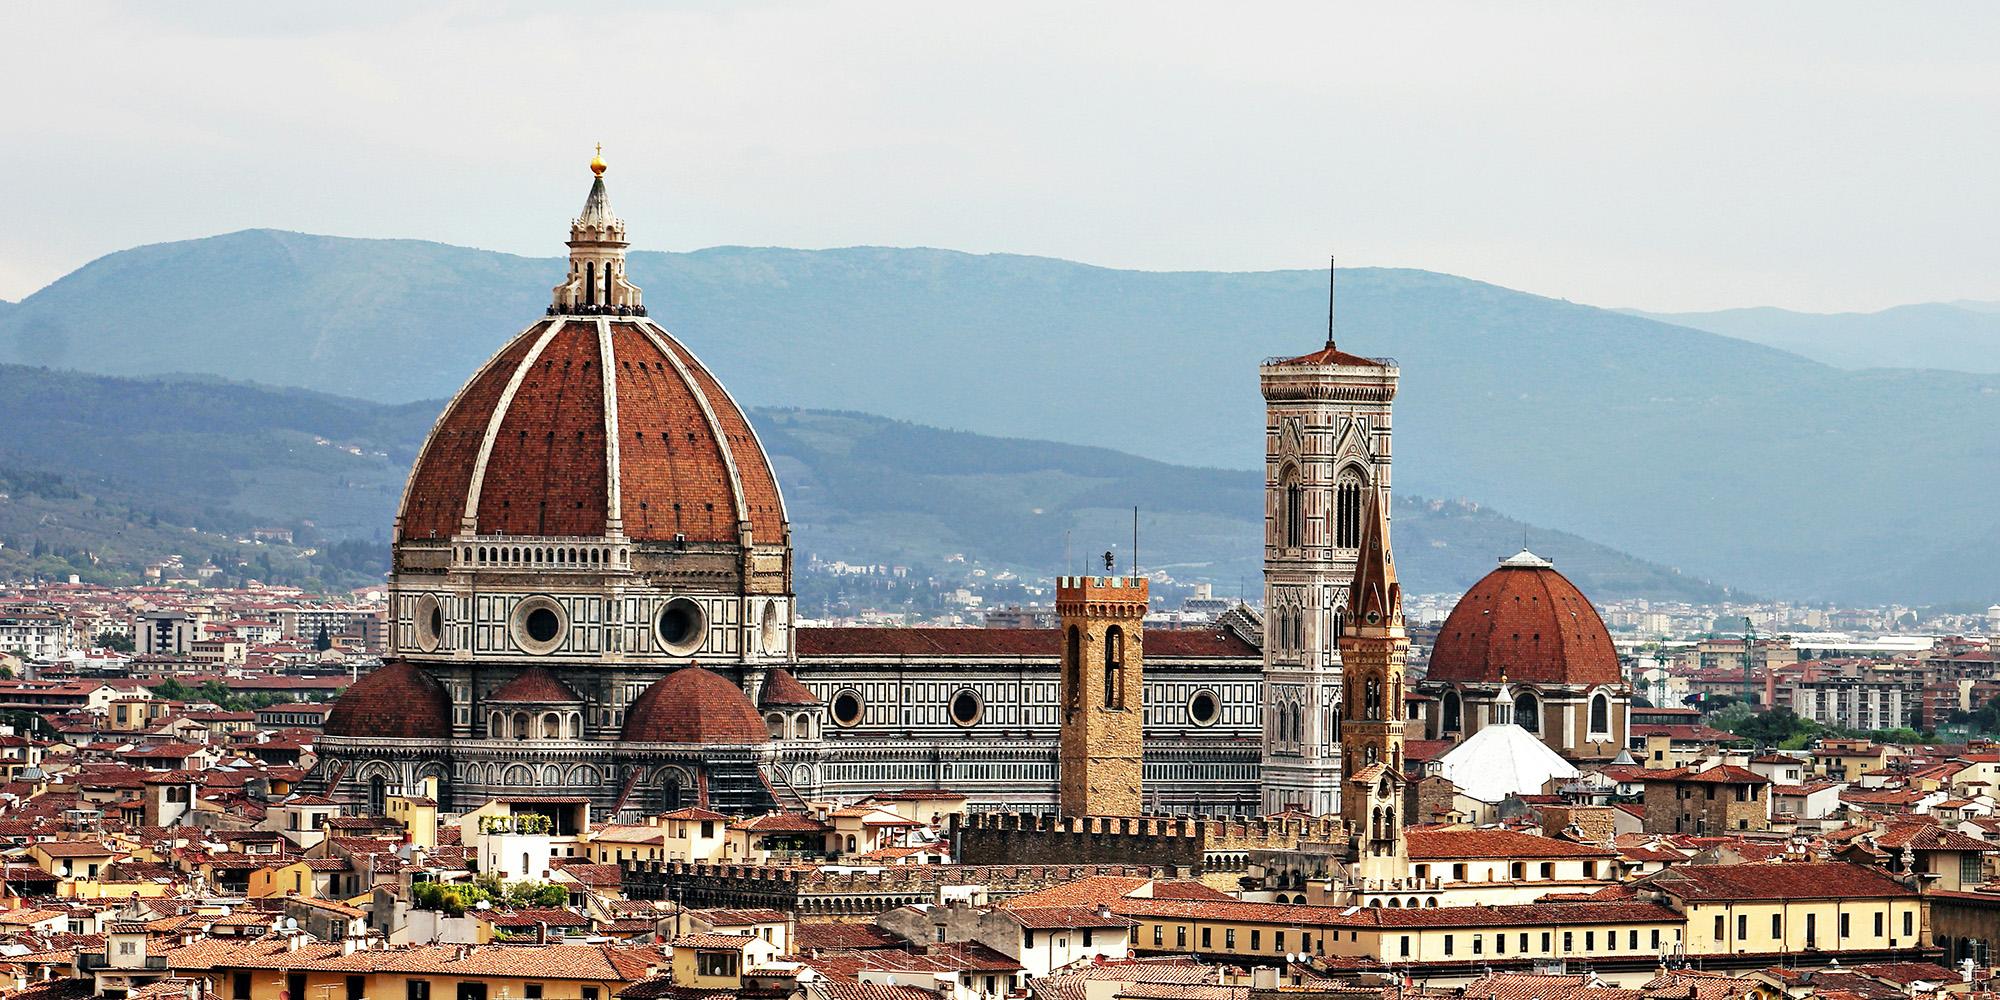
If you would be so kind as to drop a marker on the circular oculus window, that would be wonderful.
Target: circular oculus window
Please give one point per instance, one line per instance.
(966, 708)
(1204, 709)
(682, 626)
(847, 708)
(539, 625)
(429, 616)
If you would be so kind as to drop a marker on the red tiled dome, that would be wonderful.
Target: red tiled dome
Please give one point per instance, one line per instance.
(1528, 622)
(534, 686)
(687, 462)
(782, 690)
(393, 701)
(693, 705)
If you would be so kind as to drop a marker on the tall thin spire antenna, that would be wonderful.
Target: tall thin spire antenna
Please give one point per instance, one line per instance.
(1329, 300)
(1135, 543)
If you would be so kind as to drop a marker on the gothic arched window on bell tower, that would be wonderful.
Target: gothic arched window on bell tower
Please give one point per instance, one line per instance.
(1292, 502)
(1298, 724)
(1372, 707)
(1347, 509)
(1114, 667)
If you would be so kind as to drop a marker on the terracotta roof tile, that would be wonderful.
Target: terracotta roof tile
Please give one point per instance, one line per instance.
(434, 501)
(393, 701)
(1785, 880)
(696, 706)
(1529, 624)
(534, 685)
(782, 689)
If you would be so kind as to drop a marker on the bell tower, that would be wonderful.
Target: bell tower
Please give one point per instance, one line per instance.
(1373, 648)
(1326, 447)
(1102, 694)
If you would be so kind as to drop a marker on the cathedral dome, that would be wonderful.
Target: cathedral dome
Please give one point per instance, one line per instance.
(526, 448)
(693, 705)
(1528, 623)
(394, 701)
(593, 422)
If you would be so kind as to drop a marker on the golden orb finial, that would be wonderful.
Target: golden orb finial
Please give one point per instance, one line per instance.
(597, 162)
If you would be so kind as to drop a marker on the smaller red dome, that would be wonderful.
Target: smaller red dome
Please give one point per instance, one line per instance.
(1527, 623)
(534, 686)
(394, 701)
(693, 705)
(782, 690)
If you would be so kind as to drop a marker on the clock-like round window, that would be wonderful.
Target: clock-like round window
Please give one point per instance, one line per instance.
(539, 625)
(966, 708)
(1204, 709)
(847, 708)
(682, 626)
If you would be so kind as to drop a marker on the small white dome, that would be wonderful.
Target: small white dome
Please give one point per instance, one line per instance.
(1499, 761)
(1525, 559)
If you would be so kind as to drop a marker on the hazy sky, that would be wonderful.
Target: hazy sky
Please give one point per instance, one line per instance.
(1814, 155)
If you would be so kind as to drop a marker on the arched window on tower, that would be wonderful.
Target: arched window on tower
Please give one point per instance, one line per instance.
(1292, 507)
(590, 283)
(1452, 713)
(1600, 715)
(1347, 509)
(1114, 667)
(1073, 670)
(1372, 705)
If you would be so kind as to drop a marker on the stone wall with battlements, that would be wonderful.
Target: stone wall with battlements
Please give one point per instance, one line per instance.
(1199, 844)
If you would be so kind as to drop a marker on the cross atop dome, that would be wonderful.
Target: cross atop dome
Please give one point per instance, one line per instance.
(596, 284)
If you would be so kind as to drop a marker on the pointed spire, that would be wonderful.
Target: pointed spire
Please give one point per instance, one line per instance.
(1375, 599)
(596, 282)
(1329, 301)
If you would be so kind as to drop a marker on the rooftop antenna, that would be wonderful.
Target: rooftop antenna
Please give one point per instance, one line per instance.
(1135, 544)
(1329, 300)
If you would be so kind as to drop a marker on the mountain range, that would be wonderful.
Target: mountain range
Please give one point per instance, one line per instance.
(1959, 336)
(1728, 460)
(109, 474)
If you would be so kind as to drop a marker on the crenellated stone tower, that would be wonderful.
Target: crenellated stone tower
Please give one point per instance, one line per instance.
(1102, 690)
(1326, 449)
(1373, 648)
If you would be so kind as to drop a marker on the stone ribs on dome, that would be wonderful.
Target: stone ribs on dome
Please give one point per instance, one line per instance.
(1525, 622)
(526, 445)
